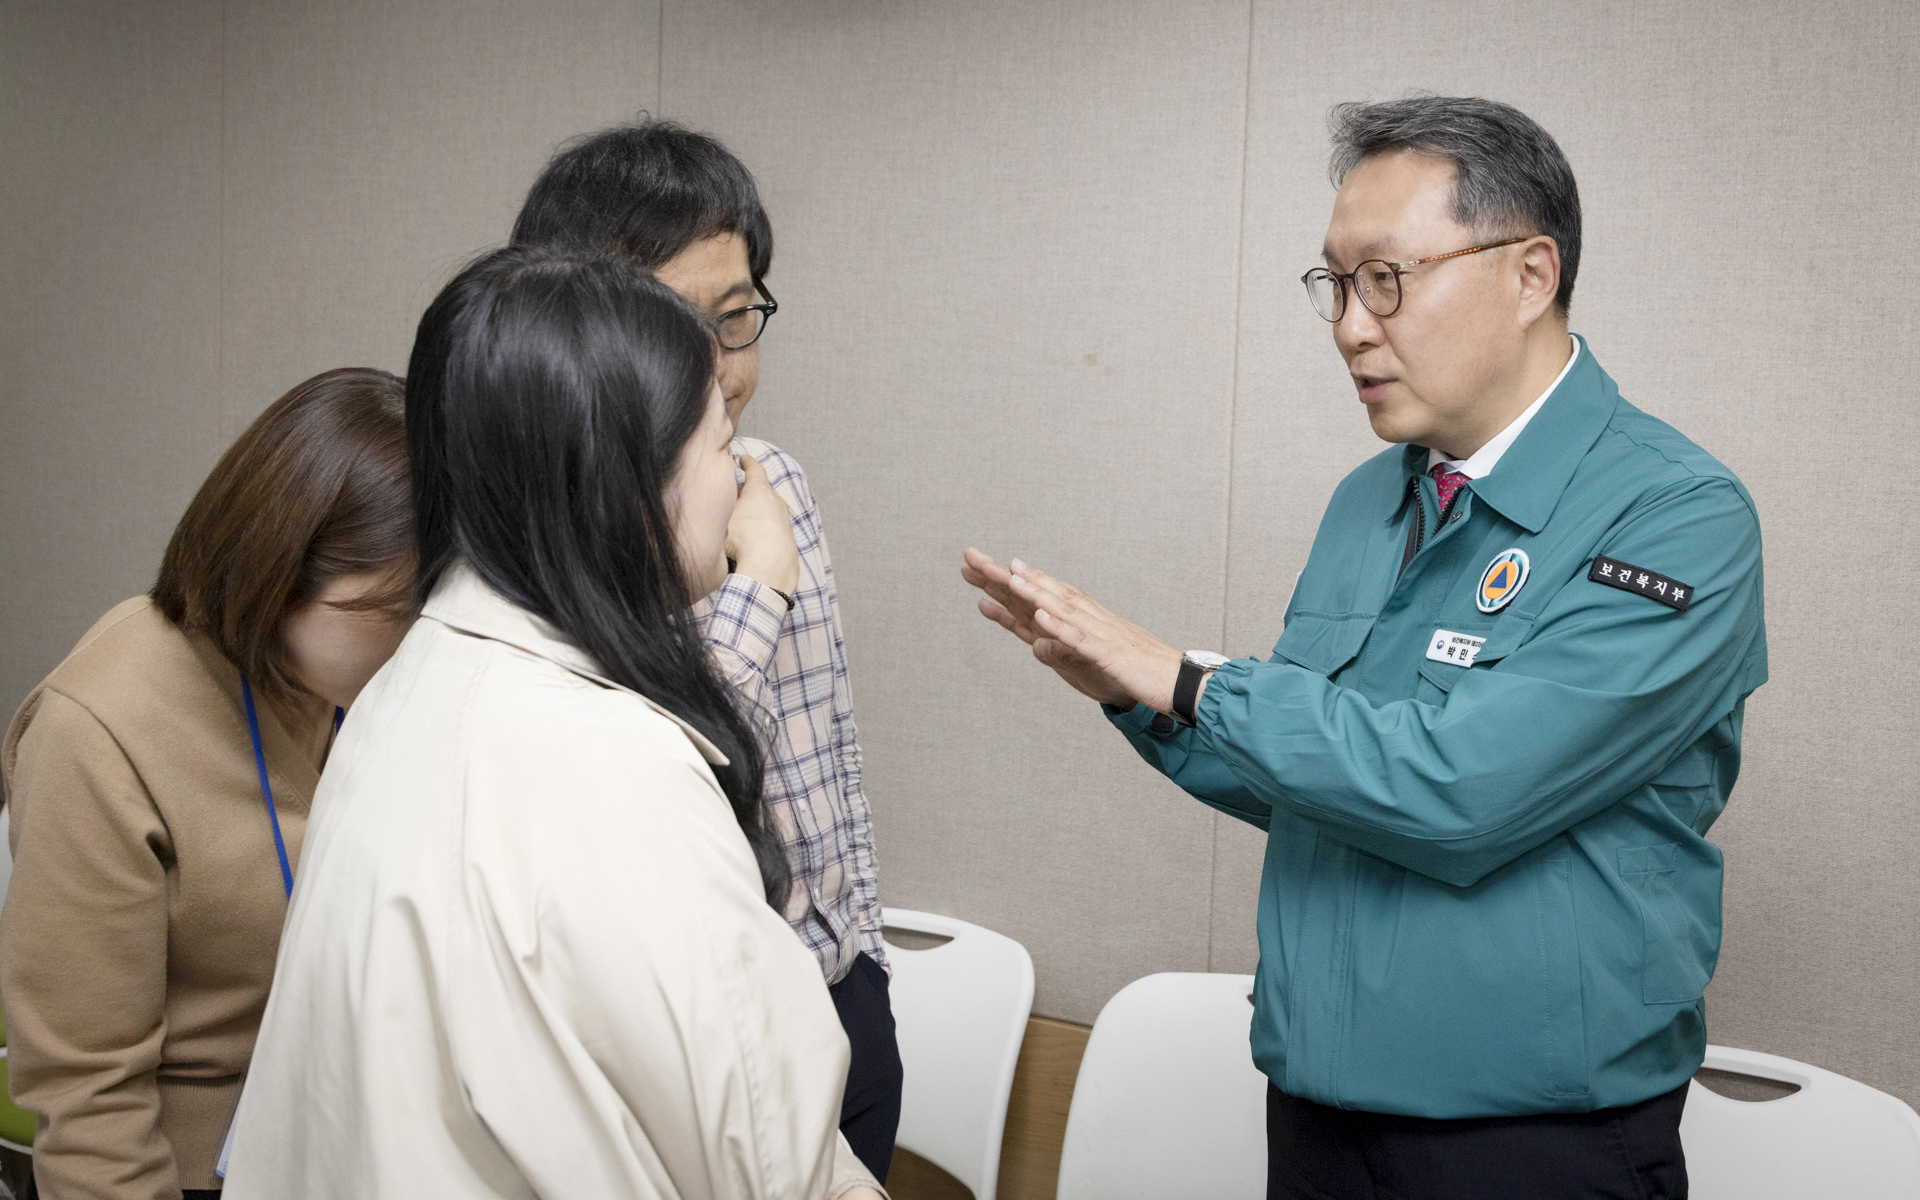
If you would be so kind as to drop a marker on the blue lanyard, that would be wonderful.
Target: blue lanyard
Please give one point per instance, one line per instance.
(266, 789)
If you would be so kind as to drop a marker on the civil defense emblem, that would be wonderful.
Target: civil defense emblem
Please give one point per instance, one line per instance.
(1502, 580)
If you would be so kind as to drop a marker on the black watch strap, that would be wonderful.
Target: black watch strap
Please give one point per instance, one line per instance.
(1186, 688)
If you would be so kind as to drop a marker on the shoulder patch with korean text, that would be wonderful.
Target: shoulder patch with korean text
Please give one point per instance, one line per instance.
(1629, 578)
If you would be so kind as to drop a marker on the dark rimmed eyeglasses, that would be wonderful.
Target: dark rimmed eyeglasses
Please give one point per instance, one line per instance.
(739, 328)
(1376, 282)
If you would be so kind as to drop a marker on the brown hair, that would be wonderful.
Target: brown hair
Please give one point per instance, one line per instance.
(316, 488)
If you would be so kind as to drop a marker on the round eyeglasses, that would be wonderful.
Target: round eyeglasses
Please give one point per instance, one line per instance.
(739, 328)
(1376, 282)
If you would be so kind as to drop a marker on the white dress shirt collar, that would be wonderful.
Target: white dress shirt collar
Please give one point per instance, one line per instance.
(1482, 461)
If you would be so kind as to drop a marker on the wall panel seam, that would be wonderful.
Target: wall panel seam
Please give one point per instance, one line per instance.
(1233, 420)
(1239, 304)
(220, 241)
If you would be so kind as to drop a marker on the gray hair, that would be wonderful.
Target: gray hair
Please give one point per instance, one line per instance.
(1512, 177)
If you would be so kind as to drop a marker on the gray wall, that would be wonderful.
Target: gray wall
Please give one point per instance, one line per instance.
(1037, 264)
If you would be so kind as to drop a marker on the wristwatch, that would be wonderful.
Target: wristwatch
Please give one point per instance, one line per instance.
(1195, 665)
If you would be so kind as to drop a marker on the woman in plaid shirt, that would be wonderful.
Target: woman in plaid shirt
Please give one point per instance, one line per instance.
(682, 205)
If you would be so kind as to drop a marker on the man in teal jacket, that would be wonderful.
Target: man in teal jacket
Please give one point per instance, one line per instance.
(1502, 715)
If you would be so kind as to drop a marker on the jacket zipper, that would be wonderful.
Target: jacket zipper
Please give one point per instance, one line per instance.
(1417, 535)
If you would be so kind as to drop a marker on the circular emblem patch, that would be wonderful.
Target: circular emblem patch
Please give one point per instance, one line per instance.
(1502, 580)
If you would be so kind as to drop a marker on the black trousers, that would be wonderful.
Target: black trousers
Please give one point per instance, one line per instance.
(1320, 1153)
(870, 1114)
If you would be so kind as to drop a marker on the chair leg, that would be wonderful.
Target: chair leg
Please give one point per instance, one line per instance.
(16, 1175)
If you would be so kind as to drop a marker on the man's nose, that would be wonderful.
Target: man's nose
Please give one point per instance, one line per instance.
(1358, 326)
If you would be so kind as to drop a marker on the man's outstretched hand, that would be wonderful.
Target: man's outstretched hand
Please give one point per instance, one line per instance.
(1104, 656)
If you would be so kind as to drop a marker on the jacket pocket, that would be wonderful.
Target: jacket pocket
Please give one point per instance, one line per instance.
(1686, 789)
(1323, 644)
(1680, 938)
(1694, 768)
(1505, 638)
(1562, 1010)
(1473, 996)
(1437, 680)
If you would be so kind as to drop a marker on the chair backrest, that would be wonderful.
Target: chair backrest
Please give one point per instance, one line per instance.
(1833, 1137)
(960, 1010)
(17, 1125)
(1168, 1102)
(6, 854)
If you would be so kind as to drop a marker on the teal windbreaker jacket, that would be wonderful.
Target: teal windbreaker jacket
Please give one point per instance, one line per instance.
(1488, 889)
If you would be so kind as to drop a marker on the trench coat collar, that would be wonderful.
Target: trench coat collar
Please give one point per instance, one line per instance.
(464, 601)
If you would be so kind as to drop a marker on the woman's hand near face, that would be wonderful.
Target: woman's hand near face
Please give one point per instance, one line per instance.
(760, 535)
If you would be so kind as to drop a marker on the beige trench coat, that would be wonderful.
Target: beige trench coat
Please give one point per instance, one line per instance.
(529, 955)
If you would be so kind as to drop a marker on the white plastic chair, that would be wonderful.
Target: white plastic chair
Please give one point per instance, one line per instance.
(1168, 1102)
(1834, 1137)
(12, 1117)
(961, 1011)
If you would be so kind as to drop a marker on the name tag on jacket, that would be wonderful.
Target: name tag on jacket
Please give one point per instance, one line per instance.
(1460, 649)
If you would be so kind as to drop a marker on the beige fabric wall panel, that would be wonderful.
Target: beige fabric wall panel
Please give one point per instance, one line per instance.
(109, 306)
(216, 205)
(1022, 309)
(1006, 258)
(1740, 195)
(373, 148)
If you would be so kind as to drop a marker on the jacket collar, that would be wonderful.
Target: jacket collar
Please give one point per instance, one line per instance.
(464, 601)
(1534, 472)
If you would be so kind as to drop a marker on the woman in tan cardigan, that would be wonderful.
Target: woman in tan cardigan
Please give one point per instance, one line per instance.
(151, 866)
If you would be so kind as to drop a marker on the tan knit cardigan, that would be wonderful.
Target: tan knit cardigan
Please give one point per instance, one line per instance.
(140, 928)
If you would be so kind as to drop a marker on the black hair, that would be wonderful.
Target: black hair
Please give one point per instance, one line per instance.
(548, 398)
(645, 192)
(1512, 178)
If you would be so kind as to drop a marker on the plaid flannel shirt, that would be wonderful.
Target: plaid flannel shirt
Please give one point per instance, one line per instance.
(793, 667)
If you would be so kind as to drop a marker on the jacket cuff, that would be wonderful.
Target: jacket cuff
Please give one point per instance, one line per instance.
(1141, 720)
(848, 1171)
(1231, 679)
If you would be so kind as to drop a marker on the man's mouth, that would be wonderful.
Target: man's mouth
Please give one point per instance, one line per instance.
(1372, 387)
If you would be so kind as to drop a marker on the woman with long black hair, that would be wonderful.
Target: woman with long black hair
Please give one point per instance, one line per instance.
(530, 951)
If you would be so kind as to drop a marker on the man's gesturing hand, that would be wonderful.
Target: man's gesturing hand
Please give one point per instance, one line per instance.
(760, 533)
(1104, 656)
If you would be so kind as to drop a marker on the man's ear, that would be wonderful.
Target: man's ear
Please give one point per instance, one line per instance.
(1539, 278)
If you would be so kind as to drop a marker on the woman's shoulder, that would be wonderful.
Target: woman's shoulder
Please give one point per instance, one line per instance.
(527, 707)
(554, 759)
(129, 634)
(133, 675)
(133, 662)
(529, 699)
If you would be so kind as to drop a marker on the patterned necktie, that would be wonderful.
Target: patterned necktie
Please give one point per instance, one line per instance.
(1449, 483)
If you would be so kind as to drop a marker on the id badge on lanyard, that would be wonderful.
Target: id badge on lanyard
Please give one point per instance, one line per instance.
(279, 848)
